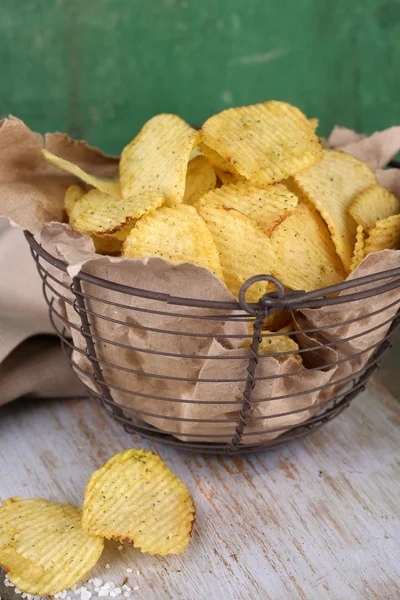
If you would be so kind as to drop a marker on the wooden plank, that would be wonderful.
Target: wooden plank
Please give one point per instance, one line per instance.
(99, 69)
(318, 519)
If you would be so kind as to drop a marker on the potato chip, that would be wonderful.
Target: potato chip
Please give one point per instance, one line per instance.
(264, 142)
(331, 186)
(314, 123)
(374, 204)
(218, 162)
(359, 248)
(271, 344)
(244, 249)
(107, 245)
(136, 499)
(177, 234)
(72, 195)
(200, 178)
(385, 235)
(225, 178)
(156, 160)
(268, 207)
(43, 547)
(306, 255)
(99, 214)
(108, 186)
(277, 320)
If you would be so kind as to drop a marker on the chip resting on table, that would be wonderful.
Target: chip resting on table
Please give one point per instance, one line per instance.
(43, 548)
(134, 498)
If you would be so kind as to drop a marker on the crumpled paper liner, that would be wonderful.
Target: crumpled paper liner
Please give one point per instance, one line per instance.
(179, 394)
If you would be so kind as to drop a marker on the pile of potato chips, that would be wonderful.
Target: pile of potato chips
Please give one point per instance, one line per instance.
(134, 498)
(253, 192)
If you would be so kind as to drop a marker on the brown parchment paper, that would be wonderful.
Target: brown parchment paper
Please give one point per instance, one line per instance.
(198, 351)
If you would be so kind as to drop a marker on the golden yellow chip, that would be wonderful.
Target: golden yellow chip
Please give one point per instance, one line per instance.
(306, 256)
(314, 123)
(72, 195)
(177, 234)
(264, 142)
(136, 499)
(331, 186)
(218, 162)
(385, 235)
(43, 547)
(111, 246)
(200, 178)
(278, 320)
(225, 177)
(244, 249)
(271, 344)
(359, 248)
(108, 186)
(99, 214)
(156, 160)
(268, 207)
(372, 205)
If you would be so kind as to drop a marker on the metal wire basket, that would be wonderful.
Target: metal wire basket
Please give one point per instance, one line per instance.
(249, 432)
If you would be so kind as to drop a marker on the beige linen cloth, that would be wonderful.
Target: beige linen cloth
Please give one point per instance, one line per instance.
(31, 194)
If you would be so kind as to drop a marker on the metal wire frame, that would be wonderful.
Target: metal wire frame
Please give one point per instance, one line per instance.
(241, 418)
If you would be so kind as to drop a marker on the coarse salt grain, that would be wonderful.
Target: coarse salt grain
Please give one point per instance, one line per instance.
(107, 566)
(96, 582)
(137, 572)
(103, 593)
(86, 595)
(136, 588)
(120, 548)
(129, 570)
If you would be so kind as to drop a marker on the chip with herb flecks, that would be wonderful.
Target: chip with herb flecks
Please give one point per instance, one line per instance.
(43, 548)
(136, 499)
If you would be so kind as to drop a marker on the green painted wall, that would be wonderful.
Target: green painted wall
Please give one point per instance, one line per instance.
(99, 68)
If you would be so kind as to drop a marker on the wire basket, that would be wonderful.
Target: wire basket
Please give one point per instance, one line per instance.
(249, 433)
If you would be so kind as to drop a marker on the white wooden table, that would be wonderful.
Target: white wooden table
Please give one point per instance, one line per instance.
(318, 519)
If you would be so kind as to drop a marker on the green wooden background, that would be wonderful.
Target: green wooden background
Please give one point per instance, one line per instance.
(99, 68)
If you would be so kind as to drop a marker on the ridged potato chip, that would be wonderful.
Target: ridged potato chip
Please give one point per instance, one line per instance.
(99, 214)
(385, 235)
(272, 343)
(72, 195)
(200, 178)
(372, 205)
(306, 255)
(225, 178)
(268, 207)
(314, 122)
(136, 499)
(265, 143)
(218, 162)
(107, 245)
(331, 186)
(244, 249)
(43, 547)
(156, 160)
(176, 233)
(359, 248)
(108, 186)
(277, 320)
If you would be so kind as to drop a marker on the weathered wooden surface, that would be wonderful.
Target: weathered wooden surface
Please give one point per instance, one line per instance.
(99, 68)
(318, 519)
